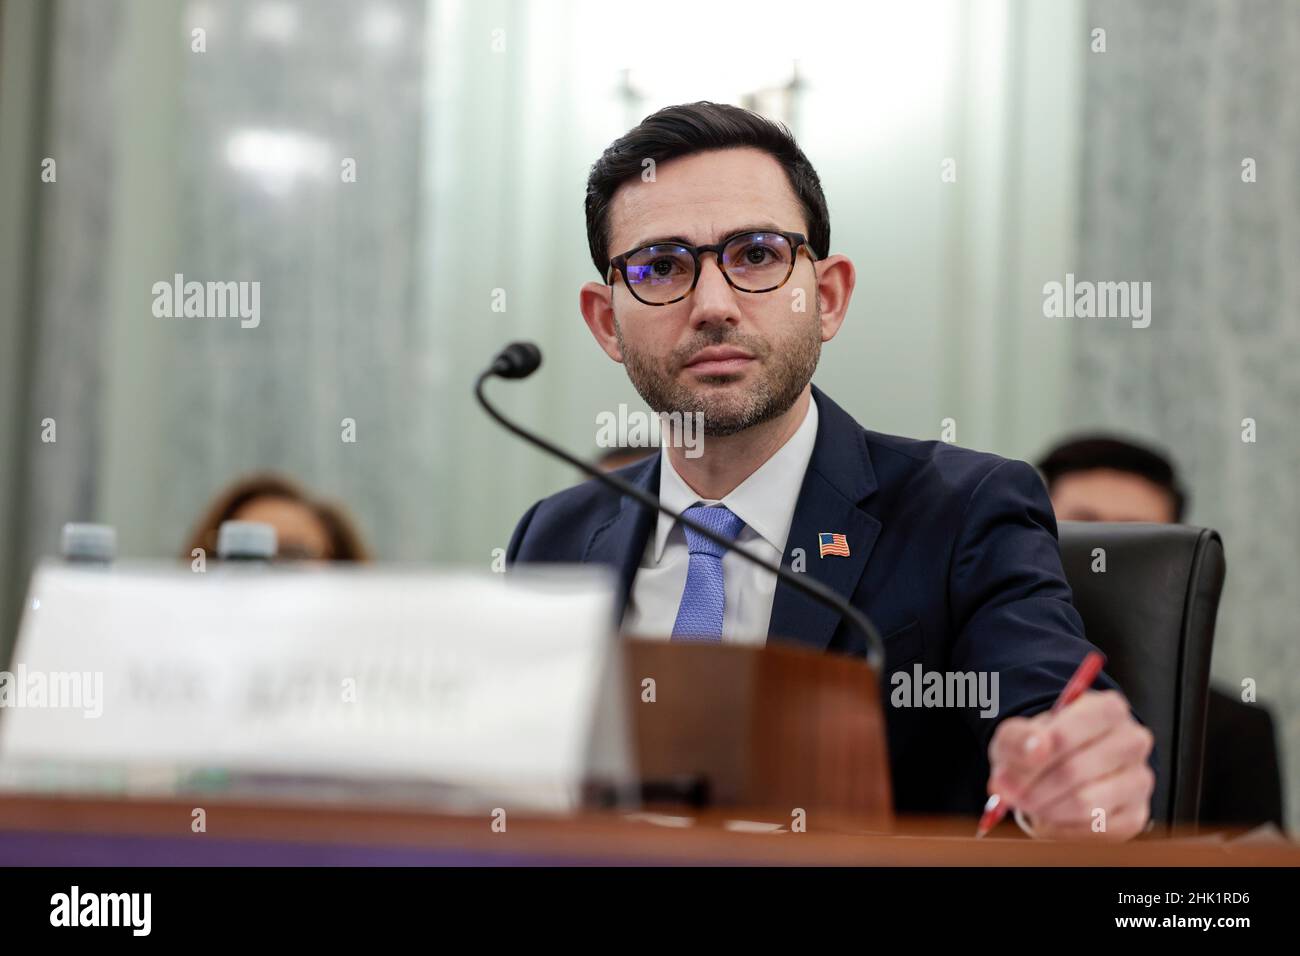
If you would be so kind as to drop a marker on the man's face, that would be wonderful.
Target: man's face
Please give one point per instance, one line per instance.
(740, 358)
(1103, 494)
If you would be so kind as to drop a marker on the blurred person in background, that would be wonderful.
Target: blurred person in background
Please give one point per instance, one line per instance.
(306, 528)
(1100, 478)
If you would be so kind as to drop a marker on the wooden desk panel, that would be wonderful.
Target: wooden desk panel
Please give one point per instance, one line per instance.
(97, 831)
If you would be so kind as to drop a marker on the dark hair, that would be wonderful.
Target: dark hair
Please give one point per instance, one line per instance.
(696, 128)
(1090, 452)
(346, 543)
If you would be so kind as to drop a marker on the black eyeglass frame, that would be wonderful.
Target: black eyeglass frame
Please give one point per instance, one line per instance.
(797, 241)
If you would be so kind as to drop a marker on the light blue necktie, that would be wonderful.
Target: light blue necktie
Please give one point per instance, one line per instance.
(700, 616)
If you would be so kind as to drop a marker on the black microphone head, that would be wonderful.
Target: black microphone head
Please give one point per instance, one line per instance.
(517, 360)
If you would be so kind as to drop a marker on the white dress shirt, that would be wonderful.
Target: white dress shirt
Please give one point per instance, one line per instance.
(765, 502)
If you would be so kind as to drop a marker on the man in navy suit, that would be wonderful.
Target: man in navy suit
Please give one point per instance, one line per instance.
(711, 231)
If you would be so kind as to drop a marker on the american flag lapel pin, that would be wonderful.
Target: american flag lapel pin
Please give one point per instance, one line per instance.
(830, 543)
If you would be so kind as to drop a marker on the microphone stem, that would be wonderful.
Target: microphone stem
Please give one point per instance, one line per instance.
(809, 586)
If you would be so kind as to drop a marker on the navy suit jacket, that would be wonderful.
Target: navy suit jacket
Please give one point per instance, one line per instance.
(953, 556)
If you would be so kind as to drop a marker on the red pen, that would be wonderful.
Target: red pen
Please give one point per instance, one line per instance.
(1084, 675)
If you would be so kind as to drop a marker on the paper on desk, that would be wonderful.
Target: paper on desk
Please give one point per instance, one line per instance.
(365, 674)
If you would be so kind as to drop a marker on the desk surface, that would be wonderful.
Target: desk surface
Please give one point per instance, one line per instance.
(92, 831)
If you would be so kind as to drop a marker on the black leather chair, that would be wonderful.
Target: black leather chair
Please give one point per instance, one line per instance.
(1152, 612)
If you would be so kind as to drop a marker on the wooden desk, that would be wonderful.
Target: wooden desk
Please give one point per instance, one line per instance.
(77, 831)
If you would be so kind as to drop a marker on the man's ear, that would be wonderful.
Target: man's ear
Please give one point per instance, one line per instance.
(835, 280)
(596, 302)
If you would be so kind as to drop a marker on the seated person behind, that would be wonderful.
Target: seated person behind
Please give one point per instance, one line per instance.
(1107, 479)
(306, 528)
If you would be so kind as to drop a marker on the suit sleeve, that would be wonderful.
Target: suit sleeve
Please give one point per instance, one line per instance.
(1012, 610)
(517, 538)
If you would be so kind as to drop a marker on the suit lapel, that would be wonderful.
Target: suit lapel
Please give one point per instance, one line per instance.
(839, 477)
(620, 542)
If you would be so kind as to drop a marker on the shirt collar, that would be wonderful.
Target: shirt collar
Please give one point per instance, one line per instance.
(765, 500)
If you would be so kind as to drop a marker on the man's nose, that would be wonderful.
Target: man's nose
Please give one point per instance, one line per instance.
(713, 301)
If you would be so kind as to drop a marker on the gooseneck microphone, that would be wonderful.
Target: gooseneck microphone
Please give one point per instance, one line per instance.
(521, 359)
(516, 360)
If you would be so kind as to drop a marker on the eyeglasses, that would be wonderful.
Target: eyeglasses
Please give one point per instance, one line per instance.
(667, 272)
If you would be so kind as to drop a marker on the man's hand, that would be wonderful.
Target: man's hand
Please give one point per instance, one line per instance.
(1062, 769)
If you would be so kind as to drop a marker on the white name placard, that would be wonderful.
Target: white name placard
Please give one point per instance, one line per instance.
(484, 682)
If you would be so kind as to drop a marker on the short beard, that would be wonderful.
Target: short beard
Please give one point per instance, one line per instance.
(785, 368)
